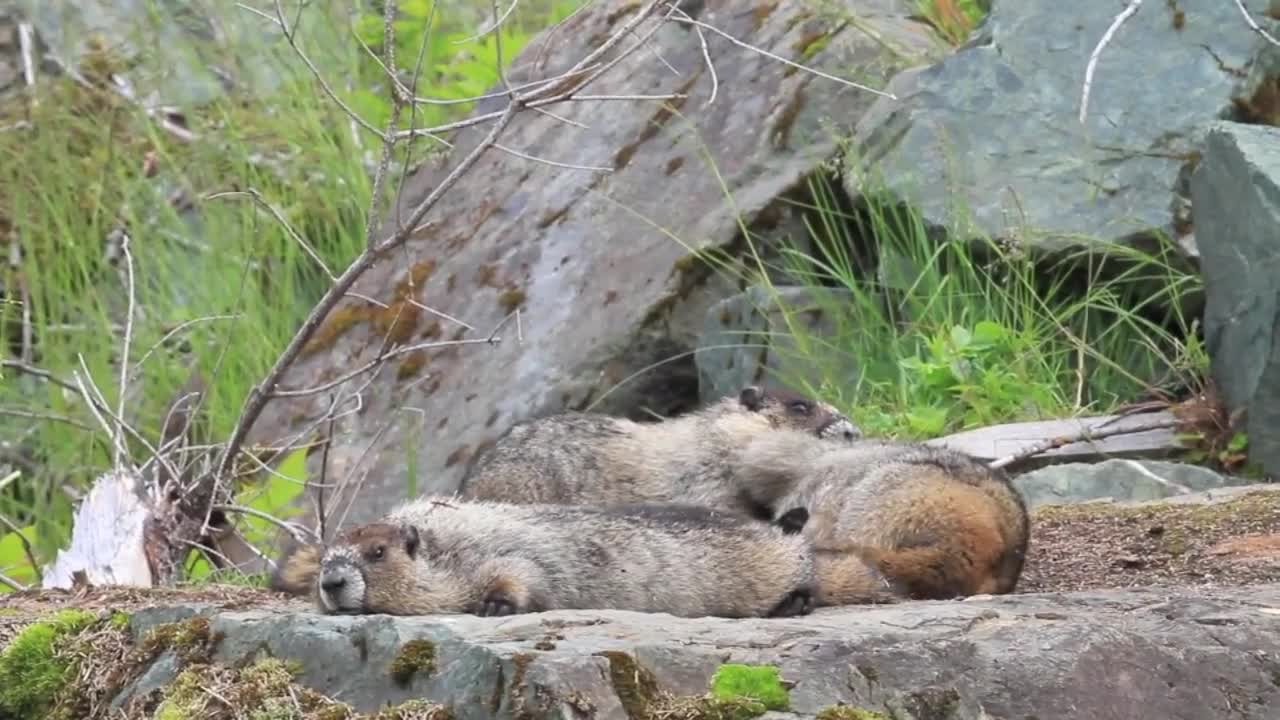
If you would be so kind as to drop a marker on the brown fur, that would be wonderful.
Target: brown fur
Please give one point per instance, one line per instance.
(297, 570)
(601, 460)
(444, 555)
(935, 522)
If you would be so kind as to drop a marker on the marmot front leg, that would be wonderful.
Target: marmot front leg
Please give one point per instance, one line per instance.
(511, 586)
(797, 602)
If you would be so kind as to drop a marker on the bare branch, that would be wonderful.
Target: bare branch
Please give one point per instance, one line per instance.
(124, 348)
(1119, 20)
(1086, 434)
(298, 532)
(1253, 24)
(52, 417)
(13, 584)
(26, 543)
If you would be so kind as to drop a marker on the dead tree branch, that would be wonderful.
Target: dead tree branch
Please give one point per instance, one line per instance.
(1097, 432)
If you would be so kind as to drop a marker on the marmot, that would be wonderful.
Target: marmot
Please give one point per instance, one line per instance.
(602, 460)
(446, 555)
(935, 522)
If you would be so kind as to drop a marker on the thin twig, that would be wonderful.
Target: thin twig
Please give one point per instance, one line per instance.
(13, 584)
(298, 532)
(1254, 24)
(381, 359)
(1085, 435)
(279, 216)
(26, 544)
(130, 309)
(137, 367)
(779, 58)
(52, 417)
(1119, 20)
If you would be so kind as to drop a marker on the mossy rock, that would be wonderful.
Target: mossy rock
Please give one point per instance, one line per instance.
(32, 671)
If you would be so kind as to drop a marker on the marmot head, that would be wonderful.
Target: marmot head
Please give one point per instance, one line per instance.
(382, 567)
(785, 408)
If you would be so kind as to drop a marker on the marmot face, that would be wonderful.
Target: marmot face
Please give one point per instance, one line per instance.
(788, 409)
(356, 570)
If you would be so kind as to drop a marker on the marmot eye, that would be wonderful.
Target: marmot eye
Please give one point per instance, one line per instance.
(798, 406)
(378, 552)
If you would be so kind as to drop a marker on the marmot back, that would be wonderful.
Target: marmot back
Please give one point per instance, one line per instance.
(601, 460)
(445, 555)
(936, 522)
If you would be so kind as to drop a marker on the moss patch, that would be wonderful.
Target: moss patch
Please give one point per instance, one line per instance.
(760, 683)
(415, 656)
(191, 640)
(635, 685)
(32, 671)
(264, 690)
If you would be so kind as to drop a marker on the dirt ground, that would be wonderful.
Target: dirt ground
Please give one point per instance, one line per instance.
(1076, 547)
(1101, 545)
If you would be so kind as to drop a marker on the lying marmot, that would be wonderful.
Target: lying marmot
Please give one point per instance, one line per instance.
(445, 555)
(935, 522)
(601, 460)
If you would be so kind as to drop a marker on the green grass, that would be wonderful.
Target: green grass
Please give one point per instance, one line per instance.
(931, 334)
(92, 163)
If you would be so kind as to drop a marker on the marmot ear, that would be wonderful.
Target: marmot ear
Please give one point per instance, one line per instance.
(751, 397)
(409, 535)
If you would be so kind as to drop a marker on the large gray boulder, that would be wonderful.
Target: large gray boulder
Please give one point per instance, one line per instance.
(1175, 654)
(1236, 196)
(590, 257)
(991, 136)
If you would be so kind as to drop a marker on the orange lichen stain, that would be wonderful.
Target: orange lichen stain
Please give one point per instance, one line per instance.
(486, 276)
(397, 322)
(411, 364)
(461, 454)
(781, 134)
(511, 298)
(417, 275)
(340, 320)
(656, 123)
(761, 12)
(623, 11)
(552, 217)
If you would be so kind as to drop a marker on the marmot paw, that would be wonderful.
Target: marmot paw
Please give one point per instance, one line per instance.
(797, 602)
(497, 603)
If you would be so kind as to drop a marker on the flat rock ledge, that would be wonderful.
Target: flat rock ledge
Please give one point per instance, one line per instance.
(1168, 653)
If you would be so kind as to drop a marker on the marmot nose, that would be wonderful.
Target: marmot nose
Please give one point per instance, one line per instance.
(332, 584)
(850, 435)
